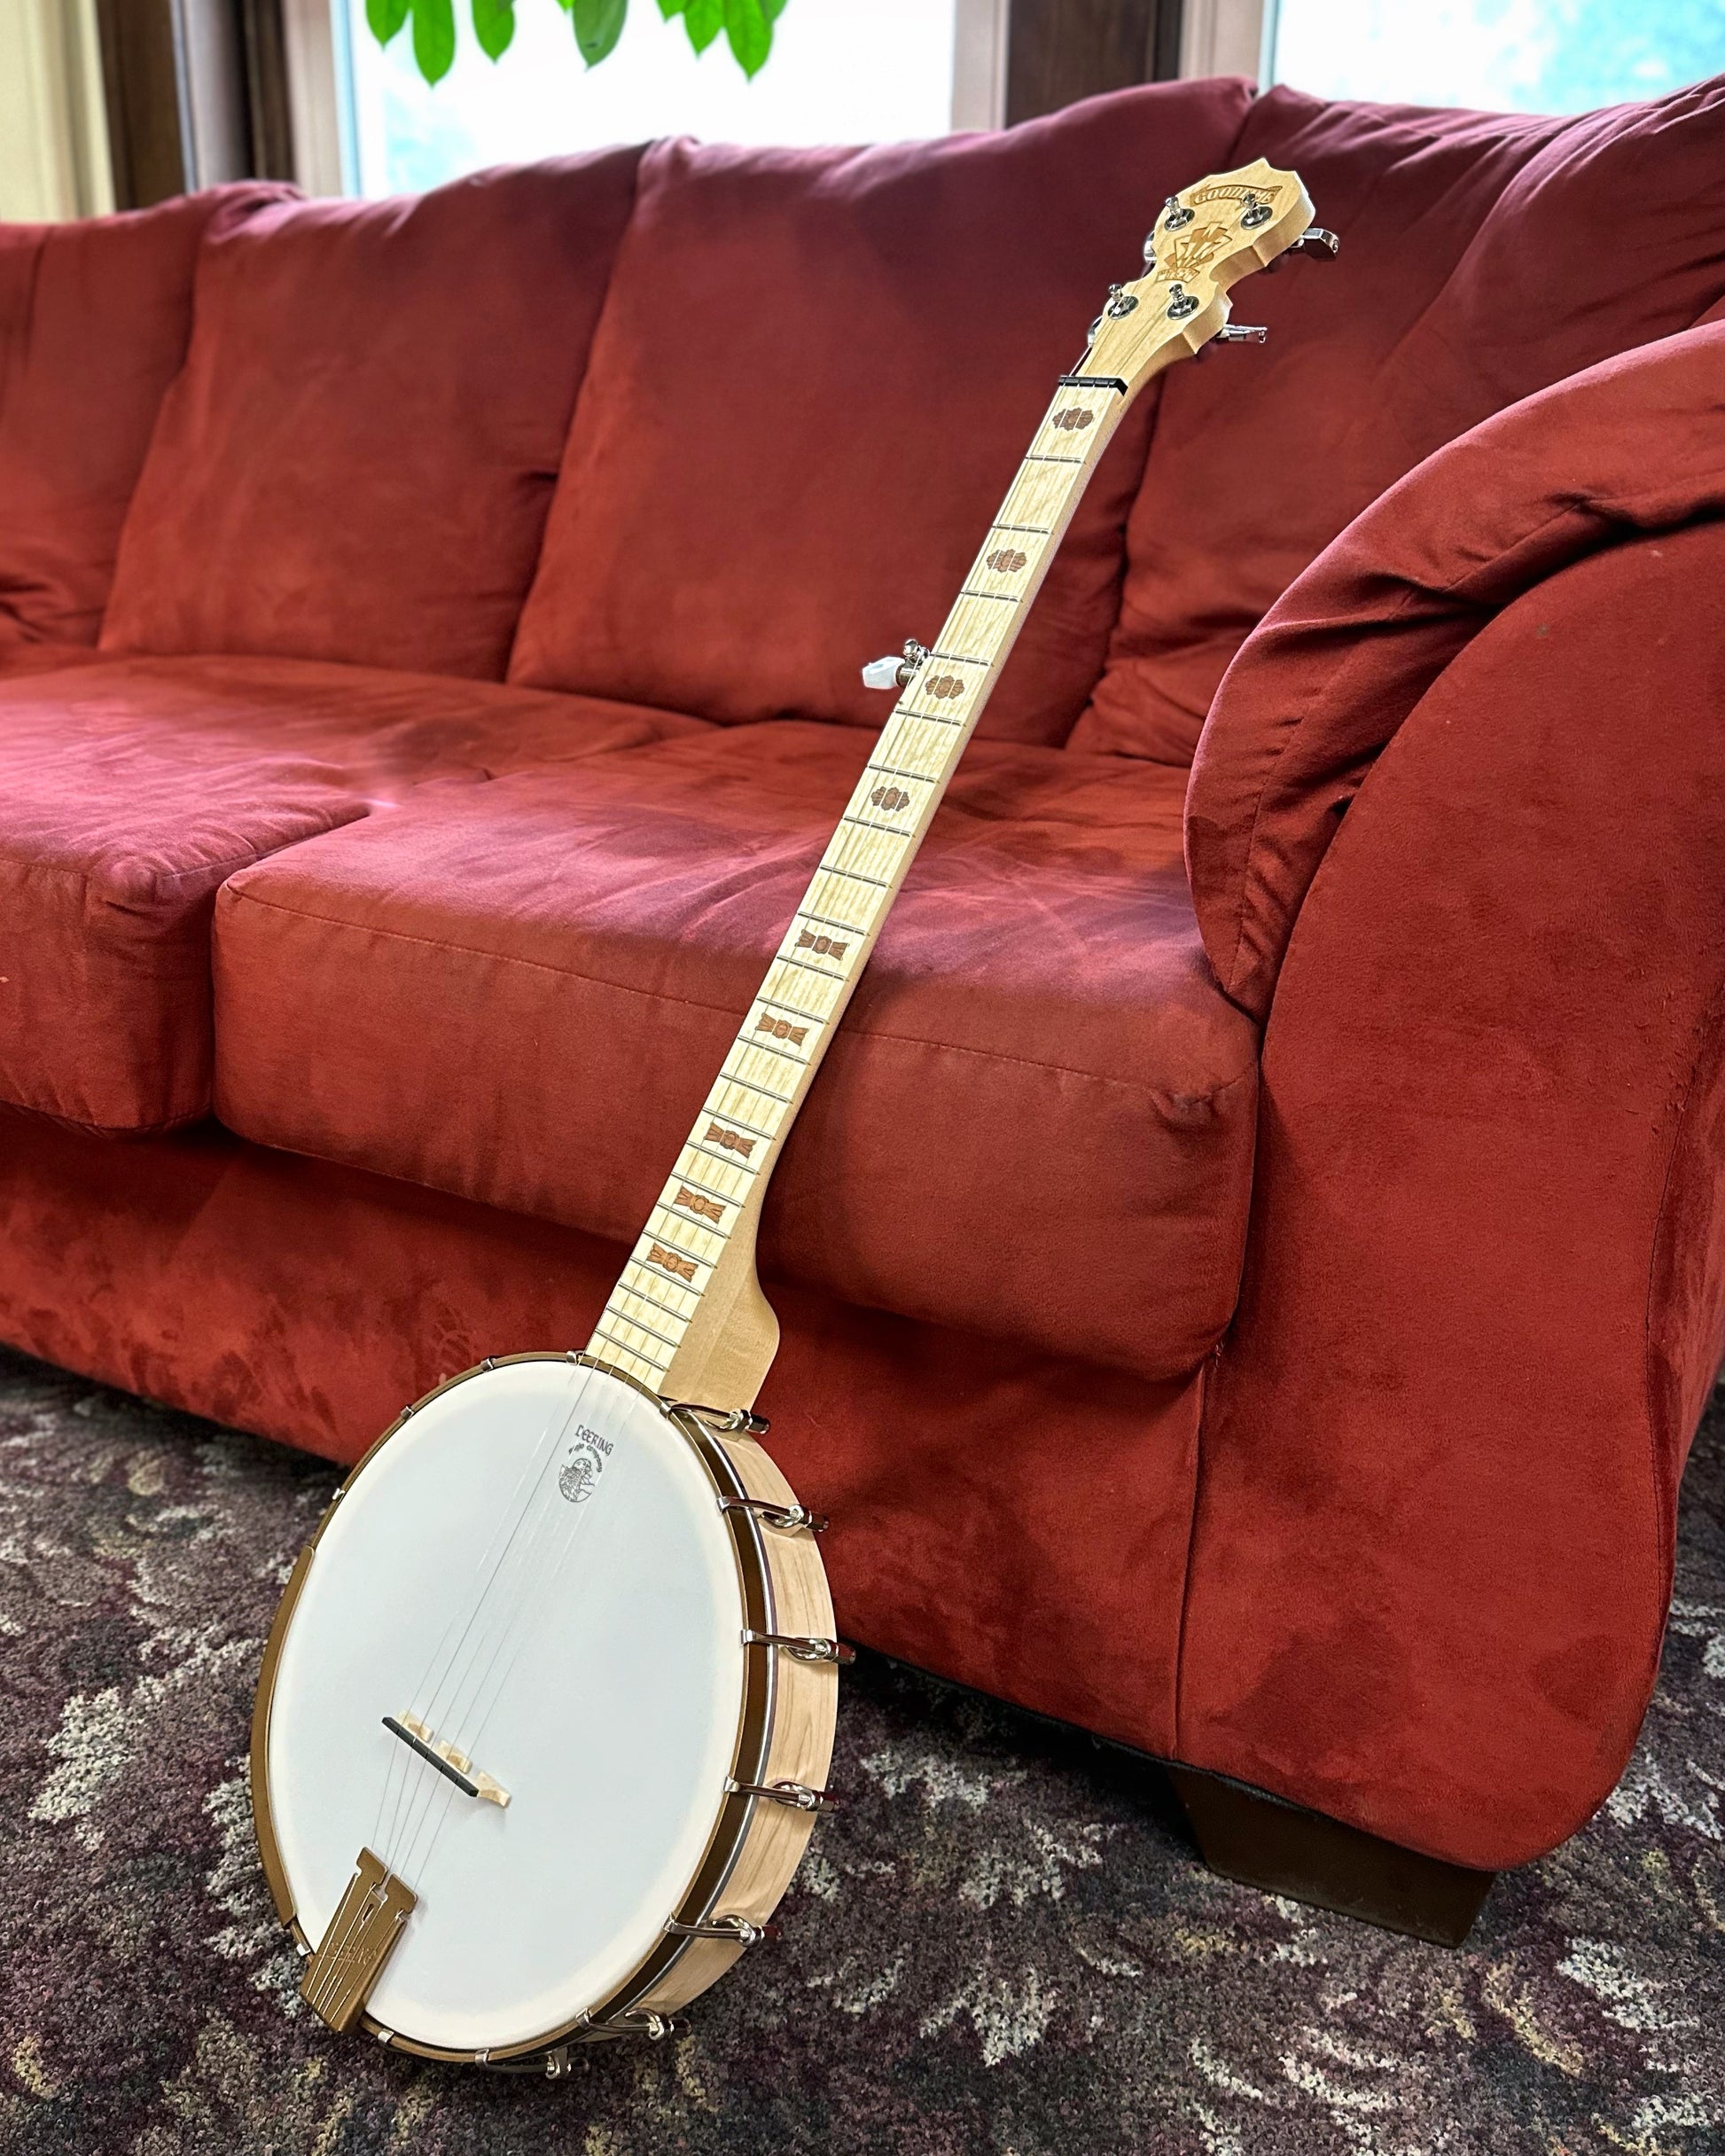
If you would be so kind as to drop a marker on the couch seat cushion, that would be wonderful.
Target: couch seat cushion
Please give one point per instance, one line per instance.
(1036, 1120)
(129, 791)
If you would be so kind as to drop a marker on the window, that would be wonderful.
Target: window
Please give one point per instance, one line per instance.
(1533, 56)
(840, 71)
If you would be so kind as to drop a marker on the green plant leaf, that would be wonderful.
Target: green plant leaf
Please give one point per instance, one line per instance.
(433, 37)
(598, 24)
(494, 26)
(750, 30)
(703, 19)
(385, 16)
(772, 9)
(668, 8)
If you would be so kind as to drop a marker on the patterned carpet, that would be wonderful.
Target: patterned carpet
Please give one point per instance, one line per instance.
(1002, 1946)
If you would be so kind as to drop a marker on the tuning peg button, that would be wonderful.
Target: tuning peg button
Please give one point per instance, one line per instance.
(1242, 333)
(896, 673)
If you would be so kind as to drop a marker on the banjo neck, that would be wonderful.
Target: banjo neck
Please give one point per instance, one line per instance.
(687, 1317)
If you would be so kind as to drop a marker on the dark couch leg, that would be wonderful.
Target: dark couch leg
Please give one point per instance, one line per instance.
(1263, 1842)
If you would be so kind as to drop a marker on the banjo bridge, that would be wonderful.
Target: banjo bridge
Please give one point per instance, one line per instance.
(362, 1933)
(454, 1766)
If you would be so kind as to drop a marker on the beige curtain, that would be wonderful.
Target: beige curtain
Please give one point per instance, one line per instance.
(53, 130)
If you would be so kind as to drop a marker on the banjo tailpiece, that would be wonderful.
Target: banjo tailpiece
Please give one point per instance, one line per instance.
(362, 1935)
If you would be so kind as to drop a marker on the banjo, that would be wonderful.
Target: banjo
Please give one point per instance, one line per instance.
(546, 1713)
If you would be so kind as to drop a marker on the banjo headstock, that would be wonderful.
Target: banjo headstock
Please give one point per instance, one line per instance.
(1206, 239)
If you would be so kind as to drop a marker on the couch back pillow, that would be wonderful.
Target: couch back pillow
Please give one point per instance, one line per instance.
(94, 320)
(816, 373)
(1484, 257)
(356, 463)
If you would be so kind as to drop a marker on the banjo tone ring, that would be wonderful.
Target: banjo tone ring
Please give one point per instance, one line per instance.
(785, 1739)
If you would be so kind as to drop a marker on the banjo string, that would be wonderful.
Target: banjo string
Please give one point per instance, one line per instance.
(504, 1594)
(515, 1636)
(540, 1558)
(528, 1484)
(544, 1564)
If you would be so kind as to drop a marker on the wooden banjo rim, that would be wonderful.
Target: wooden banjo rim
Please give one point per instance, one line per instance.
(763, 1682)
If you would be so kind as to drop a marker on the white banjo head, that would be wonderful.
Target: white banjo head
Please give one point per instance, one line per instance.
(536, 1576)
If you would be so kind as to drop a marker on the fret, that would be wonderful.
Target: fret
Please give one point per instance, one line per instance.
(678, 1317)
(890, 770)
(850, 856)
(1032, 458)
(851, 876)
(689, 1225)
(826, 920)
(649, 1374)
(724, 1159)
(795, 1010)
(1003, 598)
(765, 1092)
(635, 1325)
(938, 718)
(897, 741)
(1041, 531)
(863, 823)
(803, 966)
(959, 659)
(681, 1288)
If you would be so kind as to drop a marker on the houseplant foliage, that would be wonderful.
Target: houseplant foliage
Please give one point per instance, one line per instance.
(597, 25)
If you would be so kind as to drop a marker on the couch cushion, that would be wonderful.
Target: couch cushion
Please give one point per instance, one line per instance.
(93, 319)
(128, 791)
(357, 461)
(1484, 256)
(816, 376)
(1036, 1120)
(20, 653)
(1634, 448)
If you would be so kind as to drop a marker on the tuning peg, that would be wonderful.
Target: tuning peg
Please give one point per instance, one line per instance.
(890, 673)
(1234, 332)
(1320, 245)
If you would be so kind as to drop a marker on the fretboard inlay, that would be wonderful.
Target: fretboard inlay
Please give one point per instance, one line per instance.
(671, 1261)
(781, 1029)
(732, 1140)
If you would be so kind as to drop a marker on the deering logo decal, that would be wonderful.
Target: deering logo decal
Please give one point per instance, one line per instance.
(578, 1476)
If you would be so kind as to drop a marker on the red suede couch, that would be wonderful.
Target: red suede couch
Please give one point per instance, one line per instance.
(1248, 1278)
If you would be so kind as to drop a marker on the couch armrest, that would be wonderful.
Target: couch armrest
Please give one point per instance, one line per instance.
(1635, 445)
(1484, 1289)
